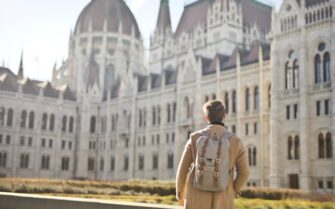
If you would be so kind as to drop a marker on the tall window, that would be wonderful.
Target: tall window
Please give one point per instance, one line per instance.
(226, 101)
(3, 159)
(170, 161)
(295, 74)
(168, 113)
(322, 65)
(140, 118)
(91, 164)
(31, 120)
(125, 163)
(252, 156)
(102, 164)
(325, 146)
(329, 146)
(23, 119)
(10, 117)
(158, 115)
(292, 71)
(71, 124)
(296, 147)
(155, 162)
(318, 70)
(64, 123)
(45, 162)
(112, 163)
(256, 98)
(326, 67)
(290, 150)
(153, 115)
(24, 161)
(44, 121)
(141, 162)
(234, 101)
(174, 111)
(92, 124)
(65, 163)
(2, 116)
(52, 122)
(247, 100)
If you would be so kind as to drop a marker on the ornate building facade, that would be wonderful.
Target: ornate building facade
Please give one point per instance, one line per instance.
(106, 115)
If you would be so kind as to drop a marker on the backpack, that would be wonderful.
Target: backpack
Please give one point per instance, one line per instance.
(211, 163)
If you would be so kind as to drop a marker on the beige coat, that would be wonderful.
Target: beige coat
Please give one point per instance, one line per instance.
(198, 199)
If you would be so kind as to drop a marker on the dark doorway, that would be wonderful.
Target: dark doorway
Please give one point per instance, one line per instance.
(294, 181)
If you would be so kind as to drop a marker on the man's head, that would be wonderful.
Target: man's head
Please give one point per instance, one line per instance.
(214, 111)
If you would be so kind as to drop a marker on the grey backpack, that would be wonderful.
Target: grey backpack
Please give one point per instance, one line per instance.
(211, 163)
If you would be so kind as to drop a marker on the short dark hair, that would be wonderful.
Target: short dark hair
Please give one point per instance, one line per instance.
(215, 110)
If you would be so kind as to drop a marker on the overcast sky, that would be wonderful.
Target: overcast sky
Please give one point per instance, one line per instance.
(42, 28)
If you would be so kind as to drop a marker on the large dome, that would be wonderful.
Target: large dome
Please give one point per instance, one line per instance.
(112, 11)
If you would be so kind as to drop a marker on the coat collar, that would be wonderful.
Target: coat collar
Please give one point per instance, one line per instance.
(218, 129)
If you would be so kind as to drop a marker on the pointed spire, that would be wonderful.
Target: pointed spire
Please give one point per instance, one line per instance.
(20, 73)
(164, 19)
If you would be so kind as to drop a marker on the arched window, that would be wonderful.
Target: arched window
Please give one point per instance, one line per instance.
(71, 124)
(64, 123)
(125, 163)
(44, 121)
(168, 113)
(31, 120)
(153, 115)
(112, 163)
(290, 148)
(318, 70)
(329, 146)
(234, 101)
(52, 122)
(10, 117)
(249, 156)
(91, 164)
(254, 156)
(174, 111)
(296, 148)
(247, 100)
(214, 96)
(170, 161)
(326, 67)
(3, 159)
(2, 116)
(321, 147)
(226, 102)
(92, 124)
(23, 119)
(295, 74)
(256, 98)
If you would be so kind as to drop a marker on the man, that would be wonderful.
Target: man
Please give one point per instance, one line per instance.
(188, 194)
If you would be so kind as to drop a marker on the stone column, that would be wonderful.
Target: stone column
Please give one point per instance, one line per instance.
(275, 175)
(305, 112)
